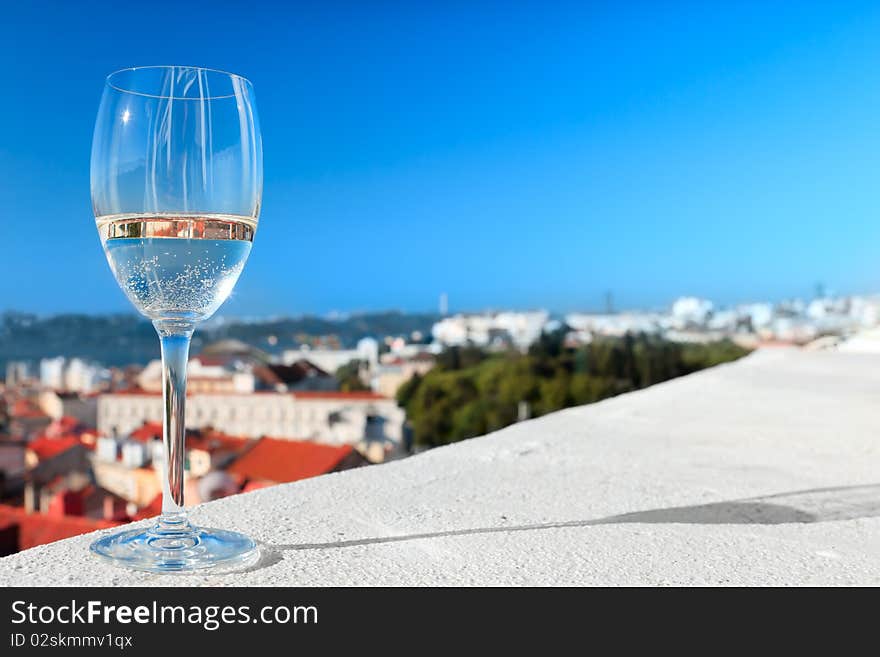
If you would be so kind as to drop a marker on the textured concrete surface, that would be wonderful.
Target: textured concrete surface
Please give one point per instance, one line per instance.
(766, 471)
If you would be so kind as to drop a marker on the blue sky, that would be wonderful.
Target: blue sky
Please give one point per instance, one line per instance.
(511, 154)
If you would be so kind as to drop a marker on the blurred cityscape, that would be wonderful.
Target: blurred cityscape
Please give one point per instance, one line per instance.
(278, 400)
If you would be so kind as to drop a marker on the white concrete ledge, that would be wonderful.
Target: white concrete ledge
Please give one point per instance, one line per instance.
(766, 471)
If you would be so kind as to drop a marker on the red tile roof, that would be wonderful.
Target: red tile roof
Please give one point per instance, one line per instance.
(64, 425)
(69, 502)
(147, 431)
(46, 448)
(211, 441)
(36, 528)
(256, 484)
(206, 439)
(152, 509)
(26, 408)
(281, 461)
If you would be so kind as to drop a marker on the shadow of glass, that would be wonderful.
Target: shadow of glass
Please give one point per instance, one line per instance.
(720, 513)
(803, 506)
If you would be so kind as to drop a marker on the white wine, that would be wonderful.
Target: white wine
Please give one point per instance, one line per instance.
(177, 267)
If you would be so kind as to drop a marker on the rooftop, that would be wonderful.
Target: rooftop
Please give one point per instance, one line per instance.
(279, 460)
(45, 447)
(25, 408)
(207, 439)
(765, 471)
(29, 529)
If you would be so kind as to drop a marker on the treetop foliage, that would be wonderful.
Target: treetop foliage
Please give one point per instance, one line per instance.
(471, 392)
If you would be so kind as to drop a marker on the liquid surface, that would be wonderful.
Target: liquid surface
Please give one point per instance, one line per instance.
(177, 267)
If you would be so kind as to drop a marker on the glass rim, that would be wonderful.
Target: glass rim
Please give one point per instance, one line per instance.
(202, 69)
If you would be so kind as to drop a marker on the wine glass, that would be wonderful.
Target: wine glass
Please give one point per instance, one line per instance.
(177, 177)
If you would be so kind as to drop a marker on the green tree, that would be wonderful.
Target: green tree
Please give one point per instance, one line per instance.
(406, 391)
(349, 377)
(470, 392)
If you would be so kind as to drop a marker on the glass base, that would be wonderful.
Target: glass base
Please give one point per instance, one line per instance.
(179, 549)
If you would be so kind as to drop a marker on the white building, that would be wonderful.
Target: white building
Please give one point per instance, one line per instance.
(18, 372)
(202, 377)
(75, 375)
(324, 417)
(723, 320)
(522, 329)
(330, 360)
(865, 311)
(793, 329)
(616, 324)
(759, 314)
(80, 376)
(692, 310)
(52, 373)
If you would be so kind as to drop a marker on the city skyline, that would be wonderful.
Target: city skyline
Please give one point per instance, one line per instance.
(605, 303)
(725, 153)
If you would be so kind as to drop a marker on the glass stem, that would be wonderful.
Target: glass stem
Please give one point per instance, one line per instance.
(175, 339)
